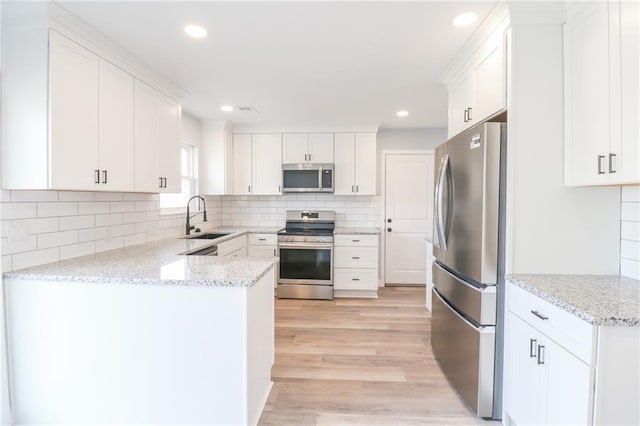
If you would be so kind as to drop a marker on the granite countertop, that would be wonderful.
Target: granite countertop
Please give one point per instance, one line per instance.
(158, 262)
(247, 229)
(608, 300)
(356, 231)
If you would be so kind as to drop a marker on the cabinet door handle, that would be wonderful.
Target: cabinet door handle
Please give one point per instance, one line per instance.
(355, 257)
(274, 253)
(540, 354)
(165, 182)
(279, 190)
(262, 239)
(611, 157)
(532, 348)
(104, 176)
(357, 188)
(353, 188)
(309, 157)
(355, 241)
(466, 112)
(539, 315)
(355, 279)
(160, 186)
(97, 176)
(600, 158)
(248, 188)
(469, 113)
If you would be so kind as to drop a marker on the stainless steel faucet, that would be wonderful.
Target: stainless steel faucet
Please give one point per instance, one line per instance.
(189, 227)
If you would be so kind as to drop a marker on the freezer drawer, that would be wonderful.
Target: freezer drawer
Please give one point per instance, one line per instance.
(479, 304)
(465, 354)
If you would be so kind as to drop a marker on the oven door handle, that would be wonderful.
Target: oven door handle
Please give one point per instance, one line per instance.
(305, 246)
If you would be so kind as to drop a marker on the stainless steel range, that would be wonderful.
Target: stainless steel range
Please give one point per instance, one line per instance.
(305, 248)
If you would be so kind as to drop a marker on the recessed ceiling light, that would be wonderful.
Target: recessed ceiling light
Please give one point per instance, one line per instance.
(402, 113)
(465, 19)
(195, 31)
(226, 108)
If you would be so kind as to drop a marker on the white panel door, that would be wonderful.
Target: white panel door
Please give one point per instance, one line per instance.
(266, 170)
(488, 81)
(522, 373)
(295, 148)
(242, 164)
(147, 177)
(568, 386)
(116, 128)
(73, 106)
(587, 96)
(345, 150)
(408, 216)
(321, 148)
(169, 114)
(365, 164)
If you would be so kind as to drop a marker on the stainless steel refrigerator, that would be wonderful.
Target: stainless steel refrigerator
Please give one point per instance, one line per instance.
(468, 273)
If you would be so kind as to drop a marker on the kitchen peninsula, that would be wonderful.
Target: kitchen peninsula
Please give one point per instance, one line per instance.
(142, 335)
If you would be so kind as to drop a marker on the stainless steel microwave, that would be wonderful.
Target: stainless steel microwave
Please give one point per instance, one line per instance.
(307, 178)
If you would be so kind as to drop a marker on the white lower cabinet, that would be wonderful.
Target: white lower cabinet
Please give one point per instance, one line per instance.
(562, 370)
(356, 266)
(548, 385)
(263, 245)
(234, 247)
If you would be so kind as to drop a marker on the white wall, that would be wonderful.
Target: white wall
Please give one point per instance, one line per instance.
(551, 228)
(630, 232)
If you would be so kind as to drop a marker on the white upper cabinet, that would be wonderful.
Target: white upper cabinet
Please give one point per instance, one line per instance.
(216, 175)
(169, 115)
(73, 105)
(116, 128)
(295, 148)
(307, 148)
(478, 91)
(266, 170)
(74, 119)
(355, 164)
(601, 94)
(257, 164)
(321, 148)
(242, 164)
(157, 141)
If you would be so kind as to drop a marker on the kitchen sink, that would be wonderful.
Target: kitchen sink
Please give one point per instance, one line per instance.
(206, 251)
(206, 236)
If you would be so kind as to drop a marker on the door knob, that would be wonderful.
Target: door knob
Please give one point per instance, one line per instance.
(389, 220)
(388, 229)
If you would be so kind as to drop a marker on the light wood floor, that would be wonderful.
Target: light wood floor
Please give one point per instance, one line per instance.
(359, 362)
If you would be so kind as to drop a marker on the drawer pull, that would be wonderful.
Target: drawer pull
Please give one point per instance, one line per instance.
(355, 241)
(540, 354)
(539, 315)
(355, 257)
(355, 279)
(262, 239)
(532, 348)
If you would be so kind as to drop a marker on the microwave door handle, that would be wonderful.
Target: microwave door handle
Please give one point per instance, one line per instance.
(439, 212)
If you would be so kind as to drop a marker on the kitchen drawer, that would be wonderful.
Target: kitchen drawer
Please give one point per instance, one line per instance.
(355, 279)
(262, 251)
(231, 246)
(567, 330)
(356, 257)
(355, 240)
(263, 239)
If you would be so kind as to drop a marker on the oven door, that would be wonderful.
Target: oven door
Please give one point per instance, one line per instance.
(305, 263)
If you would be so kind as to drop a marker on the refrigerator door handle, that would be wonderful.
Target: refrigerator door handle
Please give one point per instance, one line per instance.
(438, 201)
(446, 225)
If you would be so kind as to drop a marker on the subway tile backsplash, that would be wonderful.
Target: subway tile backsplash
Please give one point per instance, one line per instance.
(46, 226)
(630, 232)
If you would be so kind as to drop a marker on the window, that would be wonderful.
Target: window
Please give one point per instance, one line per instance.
(174, 203)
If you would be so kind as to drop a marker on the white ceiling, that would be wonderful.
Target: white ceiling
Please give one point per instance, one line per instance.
(301, 64)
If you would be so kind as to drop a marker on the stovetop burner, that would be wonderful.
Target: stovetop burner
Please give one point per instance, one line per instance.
(308, 225)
